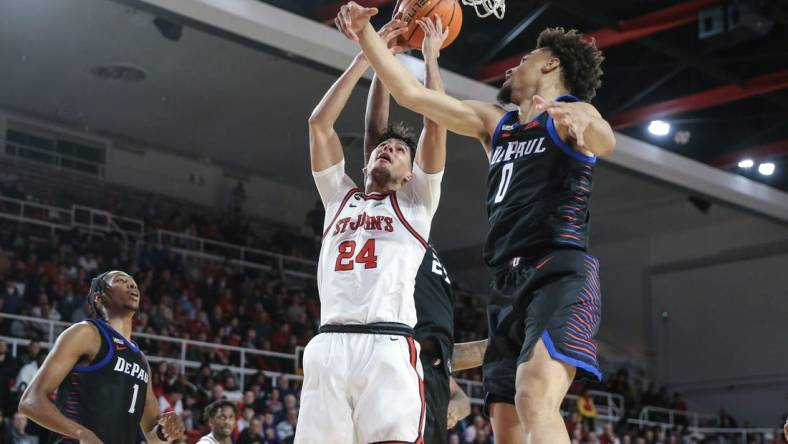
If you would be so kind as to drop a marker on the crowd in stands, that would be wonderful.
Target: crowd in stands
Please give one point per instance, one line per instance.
(46, 274)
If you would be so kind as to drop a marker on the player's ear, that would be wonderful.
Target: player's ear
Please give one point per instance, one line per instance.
(551, 64)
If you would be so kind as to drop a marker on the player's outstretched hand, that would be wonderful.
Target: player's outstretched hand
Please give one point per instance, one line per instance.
(171, 425)
(572, 115)
(389, 33)
(352, 18)
(434, 36)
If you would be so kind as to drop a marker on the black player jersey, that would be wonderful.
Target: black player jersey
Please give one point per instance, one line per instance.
(107, 396)
(434, 304)
(538, 190)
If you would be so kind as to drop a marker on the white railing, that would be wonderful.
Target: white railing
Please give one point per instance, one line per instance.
(28, 153)
(609, 405)
(236, 254)
(51, 329)
(58, 218)
(660, 415)
(727, 435)
(101, 220)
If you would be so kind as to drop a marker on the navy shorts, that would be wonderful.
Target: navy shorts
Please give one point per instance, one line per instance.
(553, 296)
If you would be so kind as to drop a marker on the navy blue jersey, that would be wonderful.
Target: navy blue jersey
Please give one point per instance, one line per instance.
(538, 190)
(434, 304)
(107, 396)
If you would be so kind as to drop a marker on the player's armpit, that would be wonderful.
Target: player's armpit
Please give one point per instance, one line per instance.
(468, 355)
(78, 342)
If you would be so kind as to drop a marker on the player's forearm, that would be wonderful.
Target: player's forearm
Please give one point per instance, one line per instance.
(334, 101)
(599, 137)
(400, 82)
(40, 409)
(377, 115)
(468, 355)
(432, 146)
(408, 92)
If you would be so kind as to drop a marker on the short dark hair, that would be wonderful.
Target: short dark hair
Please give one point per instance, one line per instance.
(214, 407)
(401, 132)
(581, 60)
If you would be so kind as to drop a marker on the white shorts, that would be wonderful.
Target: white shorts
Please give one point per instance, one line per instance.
(361, 388)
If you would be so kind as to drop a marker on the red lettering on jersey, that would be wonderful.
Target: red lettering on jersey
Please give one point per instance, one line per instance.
(366, 256)
(366, 222)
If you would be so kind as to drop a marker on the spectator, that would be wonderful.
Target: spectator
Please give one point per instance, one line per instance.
(286, 429)
(18, 433)
(27, 372)
(254, 433)
(609, 436)
(245, 419)
(32, 352)
(587, 410)
(8, 370)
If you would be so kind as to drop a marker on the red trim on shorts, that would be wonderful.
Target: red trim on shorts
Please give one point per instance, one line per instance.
(414, 356)
(351, 192)
(398, 212)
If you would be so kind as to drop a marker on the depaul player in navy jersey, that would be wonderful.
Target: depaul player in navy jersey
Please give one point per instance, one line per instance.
(545, 306)
(104, 391)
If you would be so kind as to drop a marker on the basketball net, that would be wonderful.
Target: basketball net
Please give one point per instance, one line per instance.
(485, 8)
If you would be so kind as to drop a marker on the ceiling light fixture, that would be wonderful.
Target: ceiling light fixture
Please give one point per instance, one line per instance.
(659, 128)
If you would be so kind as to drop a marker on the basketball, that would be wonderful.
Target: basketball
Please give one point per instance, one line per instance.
(410, 11)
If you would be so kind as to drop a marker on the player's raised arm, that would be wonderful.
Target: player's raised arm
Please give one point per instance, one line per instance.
(325, 147)
(376, 119)
(470, 118)
(431, 152)
(76, 343)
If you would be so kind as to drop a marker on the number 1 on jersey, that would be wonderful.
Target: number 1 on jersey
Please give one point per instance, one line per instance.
(134, 398)
(366, 256)
(506, 177)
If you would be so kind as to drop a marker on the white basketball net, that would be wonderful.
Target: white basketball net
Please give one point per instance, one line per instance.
(485, 8)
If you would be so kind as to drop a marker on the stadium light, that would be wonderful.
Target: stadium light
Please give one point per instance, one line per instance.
(746, 163)
(766, 168)
(659, 128)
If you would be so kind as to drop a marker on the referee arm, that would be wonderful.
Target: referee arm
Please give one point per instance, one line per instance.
(468, 355)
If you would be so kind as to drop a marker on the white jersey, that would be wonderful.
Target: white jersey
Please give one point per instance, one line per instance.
(372, 247)
(208, 439)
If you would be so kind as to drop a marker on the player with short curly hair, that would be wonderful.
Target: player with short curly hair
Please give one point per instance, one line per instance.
(545, 307)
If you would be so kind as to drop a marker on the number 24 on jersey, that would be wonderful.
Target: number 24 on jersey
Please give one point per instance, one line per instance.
(347, 257)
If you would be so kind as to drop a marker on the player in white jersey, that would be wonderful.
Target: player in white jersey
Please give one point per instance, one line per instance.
(362, 375)
(221, 417)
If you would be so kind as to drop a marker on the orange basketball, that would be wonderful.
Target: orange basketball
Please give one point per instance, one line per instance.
(449, 11)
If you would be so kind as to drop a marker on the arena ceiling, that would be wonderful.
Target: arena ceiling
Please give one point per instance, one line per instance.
(725, 94)
(244, 105)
